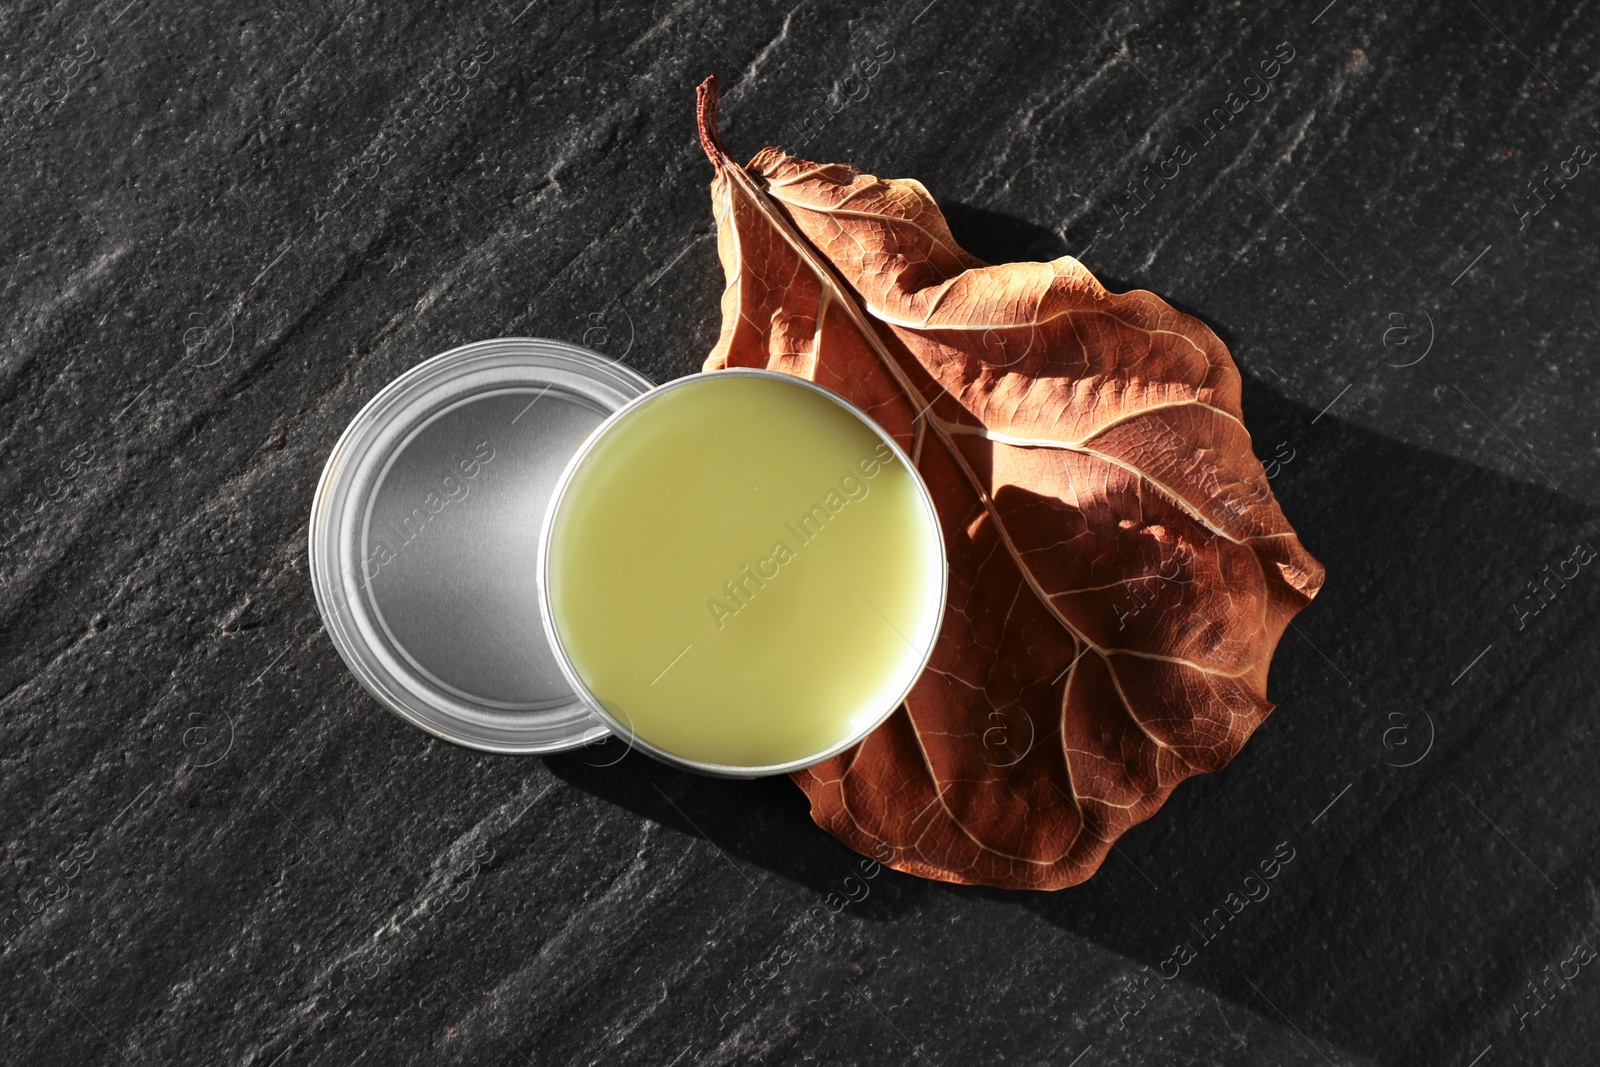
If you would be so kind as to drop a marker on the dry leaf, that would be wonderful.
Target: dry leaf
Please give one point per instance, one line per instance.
(1120, 572)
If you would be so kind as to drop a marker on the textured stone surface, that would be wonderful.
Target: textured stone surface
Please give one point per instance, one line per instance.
(229, 226)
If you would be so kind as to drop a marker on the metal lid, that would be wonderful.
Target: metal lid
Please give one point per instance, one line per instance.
(425, 538)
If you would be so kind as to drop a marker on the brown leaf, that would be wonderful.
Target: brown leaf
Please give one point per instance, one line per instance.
(1120, 572)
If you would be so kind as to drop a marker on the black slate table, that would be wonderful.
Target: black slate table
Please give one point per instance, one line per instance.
(229, 225)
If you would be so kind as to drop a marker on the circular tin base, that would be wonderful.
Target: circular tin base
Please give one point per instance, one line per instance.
(615, 717)
(425, 535)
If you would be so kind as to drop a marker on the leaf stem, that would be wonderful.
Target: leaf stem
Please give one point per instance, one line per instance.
(706, 98)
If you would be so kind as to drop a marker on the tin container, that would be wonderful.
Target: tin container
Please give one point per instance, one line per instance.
(428, 545)
(616, 718)
(423, 541)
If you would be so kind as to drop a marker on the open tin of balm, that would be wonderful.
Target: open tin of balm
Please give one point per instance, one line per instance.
(520, 546)
(742, 573)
